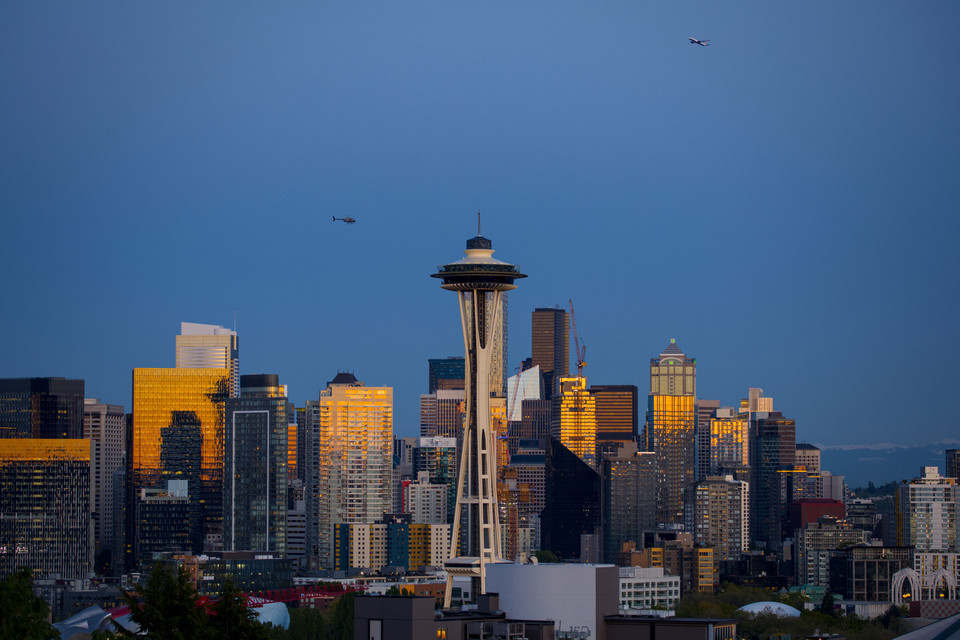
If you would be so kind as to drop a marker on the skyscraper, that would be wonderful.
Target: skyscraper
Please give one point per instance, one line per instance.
(178, 421)
(255, 467)
(808, 456)
(718, 515)
(628, 490)
(773, 449)
(41, 408)
(441, 413)
(437, 457)
(952, 468)
(479, 280)
(209, 346)
(617, 412)
(45, 502)
(575, 419)
(355, 451)
(571, 501)
(926, 512)
(551, 345)
(729, 441)
(445, 373)
(105, 426)
(670, 429)
(523, 389)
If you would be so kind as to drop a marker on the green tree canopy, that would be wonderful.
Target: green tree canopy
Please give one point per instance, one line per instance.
(24, 615)
(166, 607)
(545, 555)
(233, 619)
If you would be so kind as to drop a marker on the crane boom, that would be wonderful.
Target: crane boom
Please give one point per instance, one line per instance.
(581, 352)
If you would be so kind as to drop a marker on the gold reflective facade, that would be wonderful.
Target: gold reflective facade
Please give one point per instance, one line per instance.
(670, 433)
(45, 502)
(729, 442)
(178, 430)
(575, 419)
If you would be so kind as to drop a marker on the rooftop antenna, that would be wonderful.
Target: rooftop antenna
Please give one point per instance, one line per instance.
(478, 223)
(234, 320)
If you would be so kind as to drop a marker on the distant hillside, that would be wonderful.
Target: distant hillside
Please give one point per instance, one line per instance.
(883, 462)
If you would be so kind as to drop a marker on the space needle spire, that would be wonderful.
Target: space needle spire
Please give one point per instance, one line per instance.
(479, 279)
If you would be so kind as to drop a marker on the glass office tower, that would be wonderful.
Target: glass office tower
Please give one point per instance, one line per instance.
(255, 467)
(41, 408)
(177, 434)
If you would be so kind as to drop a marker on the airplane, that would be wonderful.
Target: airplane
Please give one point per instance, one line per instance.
(702, 43)
(348, 219)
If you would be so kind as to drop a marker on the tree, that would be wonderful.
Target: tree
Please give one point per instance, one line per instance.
(166, 608)
(826, 605)
(24, 615)
(305, 624)
(341, 618)
(545, 555)
(233, 619)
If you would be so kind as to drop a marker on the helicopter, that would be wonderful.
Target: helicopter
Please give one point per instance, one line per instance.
(348, 219)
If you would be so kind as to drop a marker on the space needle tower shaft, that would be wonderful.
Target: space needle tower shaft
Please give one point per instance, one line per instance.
(479, 280)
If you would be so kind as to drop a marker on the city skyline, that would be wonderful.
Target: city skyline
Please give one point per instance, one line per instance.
(779, 203)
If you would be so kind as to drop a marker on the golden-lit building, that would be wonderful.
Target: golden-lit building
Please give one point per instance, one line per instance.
(575, 419)
(670, 434)
(355, 447)
(45, 501)
(670, 430)
(729, 440)
(178, 434)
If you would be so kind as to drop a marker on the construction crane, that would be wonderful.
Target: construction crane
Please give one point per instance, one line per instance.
(581, 352)
(580, 386)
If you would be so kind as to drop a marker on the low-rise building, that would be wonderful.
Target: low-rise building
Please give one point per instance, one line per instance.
(648, 588)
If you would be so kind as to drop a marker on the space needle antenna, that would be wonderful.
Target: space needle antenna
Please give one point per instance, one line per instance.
(478, 223)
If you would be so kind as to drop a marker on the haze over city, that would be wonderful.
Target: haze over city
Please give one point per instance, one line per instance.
(782, 203)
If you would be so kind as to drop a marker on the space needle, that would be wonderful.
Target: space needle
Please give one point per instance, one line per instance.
(479, 280)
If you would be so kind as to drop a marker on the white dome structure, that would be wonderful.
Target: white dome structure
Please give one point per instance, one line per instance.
(768, 606)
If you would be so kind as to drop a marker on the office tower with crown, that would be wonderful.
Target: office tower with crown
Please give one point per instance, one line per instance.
(209, 346)
(479, 281)
(670, 430)
(255, 467)
(551, 345)
(354, 449)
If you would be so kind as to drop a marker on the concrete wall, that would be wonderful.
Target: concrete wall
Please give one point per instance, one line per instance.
(402, 617)
(568, 594)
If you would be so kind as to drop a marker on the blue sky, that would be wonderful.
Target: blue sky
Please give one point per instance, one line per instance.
(783, 203)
